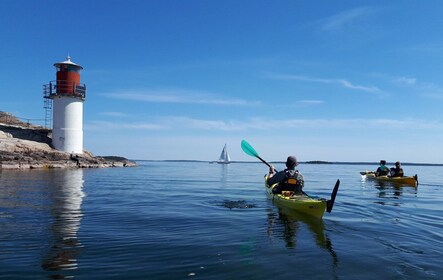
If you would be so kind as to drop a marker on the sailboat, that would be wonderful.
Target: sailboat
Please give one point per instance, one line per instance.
(224, 157)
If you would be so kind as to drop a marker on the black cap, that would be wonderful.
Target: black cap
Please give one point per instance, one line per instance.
(291, 162)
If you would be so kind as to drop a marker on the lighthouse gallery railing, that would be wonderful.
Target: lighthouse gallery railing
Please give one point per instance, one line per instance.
(64, 88)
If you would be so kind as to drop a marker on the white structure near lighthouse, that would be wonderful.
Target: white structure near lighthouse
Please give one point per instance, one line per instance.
(65, 96)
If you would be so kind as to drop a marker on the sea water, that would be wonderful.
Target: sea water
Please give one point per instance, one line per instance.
(197, 220)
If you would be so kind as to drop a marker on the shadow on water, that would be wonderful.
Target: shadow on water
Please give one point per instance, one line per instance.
(67, 196)
(290, 222)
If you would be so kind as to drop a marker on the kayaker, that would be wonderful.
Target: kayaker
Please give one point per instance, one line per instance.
(289, 179)
(397, 171)
(382, 170)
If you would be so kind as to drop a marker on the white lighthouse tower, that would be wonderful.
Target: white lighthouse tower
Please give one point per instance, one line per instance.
(68, 95)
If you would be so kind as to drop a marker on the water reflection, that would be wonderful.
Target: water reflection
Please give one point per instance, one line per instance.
(386, 190)
(390, 190)
(224, 169)
(67, 195)
(286, 224)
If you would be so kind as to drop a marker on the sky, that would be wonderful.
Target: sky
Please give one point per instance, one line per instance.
(174, 79)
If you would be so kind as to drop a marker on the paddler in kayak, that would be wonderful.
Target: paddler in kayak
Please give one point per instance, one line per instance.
(382, 170)
(289, 179)
(396, 171)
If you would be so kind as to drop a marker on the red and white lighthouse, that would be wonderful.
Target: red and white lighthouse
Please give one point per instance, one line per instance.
(67, 95)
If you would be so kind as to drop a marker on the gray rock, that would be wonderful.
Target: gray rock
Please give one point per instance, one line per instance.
(28, 149)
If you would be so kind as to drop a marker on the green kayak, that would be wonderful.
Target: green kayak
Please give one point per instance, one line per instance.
(305, 204)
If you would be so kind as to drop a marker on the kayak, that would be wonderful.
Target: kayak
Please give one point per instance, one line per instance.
(408, 180)
(303, 203)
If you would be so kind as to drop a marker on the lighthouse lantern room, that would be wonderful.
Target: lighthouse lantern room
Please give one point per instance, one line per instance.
(67, 95)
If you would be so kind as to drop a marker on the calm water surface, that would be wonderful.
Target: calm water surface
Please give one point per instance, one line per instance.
(195, 220)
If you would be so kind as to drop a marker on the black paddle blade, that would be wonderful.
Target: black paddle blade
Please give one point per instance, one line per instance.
(330, 203)
(416, 178)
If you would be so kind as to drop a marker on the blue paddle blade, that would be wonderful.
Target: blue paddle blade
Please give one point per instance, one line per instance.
(248, 149)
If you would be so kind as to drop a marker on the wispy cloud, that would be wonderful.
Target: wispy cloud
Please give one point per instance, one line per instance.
(419, 88)
(254, 124)
(311, 102)
(430, 90)
(342, 82)
(178, 96)
(107, 125)
(192, 123)
(397, 80)
(113, 114)
(434, 95)
(391, 124)
(405, 80)
(345, 18)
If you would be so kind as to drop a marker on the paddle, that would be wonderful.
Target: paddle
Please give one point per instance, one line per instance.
(330, 203)
(252, 152)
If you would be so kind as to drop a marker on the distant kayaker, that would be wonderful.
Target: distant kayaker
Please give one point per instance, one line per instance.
(289, 179)
(382, 170)
(397, 171)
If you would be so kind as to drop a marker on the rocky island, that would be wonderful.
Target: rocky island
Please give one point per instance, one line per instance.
(25, 146)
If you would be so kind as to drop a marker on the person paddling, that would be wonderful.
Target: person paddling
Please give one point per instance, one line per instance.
(396, 171)
(382, 170)
(289, 179)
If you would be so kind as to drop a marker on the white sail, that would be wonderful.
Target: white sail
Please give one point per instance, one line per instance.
(224, 157)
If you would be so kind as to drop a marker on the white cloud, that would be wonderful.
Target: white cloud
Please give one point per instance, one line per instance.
(113, 114)
(406, 81)
(348, 84)
(342, 82)
(434, 95)
(206, 124)
(107, 125)
(187, 123)
(177, 96)
(311, 102)
(343, 19)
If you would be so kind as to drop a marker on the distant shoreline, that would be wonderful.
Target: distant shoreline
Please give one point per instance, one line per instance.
(302, 162)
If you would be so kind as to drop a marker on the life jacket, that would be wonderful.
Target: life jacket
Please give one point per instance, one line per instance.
(291, 181)
(382, 171)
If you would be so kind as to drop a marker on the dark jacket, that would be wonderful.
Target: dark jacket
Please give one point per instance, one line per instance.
(284, 184)
(396, 172)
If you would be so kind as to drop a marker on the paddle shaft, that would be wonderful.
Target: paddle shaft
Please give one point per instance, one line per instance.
(264, 161)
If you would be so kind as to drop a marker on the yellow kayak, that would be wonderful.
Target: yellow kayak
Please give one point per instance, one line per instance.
(408, 180)
(305, 204)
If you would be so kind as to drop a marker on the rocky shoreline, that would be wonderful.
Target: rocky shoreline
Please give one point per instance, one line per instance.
(23, 146)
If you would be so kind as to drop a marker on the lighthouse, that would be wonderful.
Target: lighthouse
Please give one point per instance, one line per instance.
(67, 95)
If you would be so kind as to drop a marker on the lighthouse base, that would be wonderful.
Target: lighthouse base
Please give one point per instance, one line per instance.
(67, 132)
(68, 140)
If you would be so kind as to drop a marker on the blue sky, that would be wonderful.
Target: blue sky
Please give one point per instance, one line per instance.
(323, 80)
